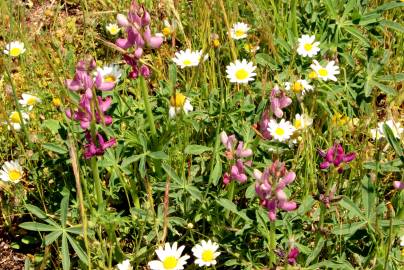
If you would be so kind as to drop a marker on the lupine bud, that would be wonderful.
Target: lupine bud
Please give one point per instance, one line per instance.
(122, 20)
(146, 18)
(145, 71)
(138, 53)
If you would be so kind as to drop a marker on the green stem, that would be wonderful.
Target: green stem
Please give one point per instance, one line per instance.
(272, 244)
(97, 181)
(150, 118)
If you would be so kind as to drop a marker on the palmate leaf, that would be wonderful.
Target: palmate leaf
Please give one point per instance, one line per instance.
(77, 248)
(65, 253)
(50, 238)
(39, 227)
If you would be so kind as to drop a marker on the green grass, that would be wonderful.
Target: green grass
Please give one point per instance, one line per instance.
(162, 181)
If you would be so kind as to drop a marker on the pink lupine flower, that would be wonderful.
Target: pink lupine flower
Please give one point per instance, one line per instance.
(279, 101)
(292, 256)
(228, 141)
(269, 188)
(398, 185)
(98, 147)
(336, 156)
(264, 124)
(241, 152)
(84, 114)
(237, 172)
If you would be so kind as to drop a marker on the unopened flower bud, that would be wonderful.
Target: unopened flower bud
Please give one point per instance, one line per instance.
(145, 71)
(122, 20)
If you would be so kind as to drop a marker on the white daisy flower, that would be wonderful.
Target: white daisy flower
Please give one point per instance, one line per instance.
(187, 58)
(29, 100)
(205, 253)
(11, 171)
(308, 46)
(169, 258)
(112, 28)
(239, 30)
(281, 131)
(378, 133)
(241, 72)
(299, 87)
(205, 57)
(402, 241)
(302, 121)
(111, 73)
(15, 120)
(179, 103)
(14, 48)
(326, 73)
(125, 265)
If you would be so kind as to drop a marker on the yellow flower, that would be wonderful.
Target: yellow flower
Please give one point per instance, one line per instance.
(56, 102)
(312, 75)
(216, 43)
(339, 119)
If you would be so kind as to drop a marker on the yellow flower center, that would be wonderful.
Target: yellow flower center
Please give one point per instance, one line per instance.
(178, 100)
(31, 101)
(312, 75)
(241, 74)
(113, 30)
(297, 87)
(247, 47)
(216, 43)
(207, 255)
(298, 123)
(109, 78)
(308, 47)
(166, 31)
(323, 72)
(15, 51)
(15, 118)
(170, 262)
(187, 62)
(239, 33)
(279, 131)
(14, 175)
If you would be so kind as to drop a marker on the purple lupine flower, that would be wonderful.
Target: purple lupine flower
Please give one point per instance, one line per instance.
(264, 124)
(336, 156)
(237, 172)
(241, 152)
(137, 26)
(292, 256)
(398, 185)
(98, 147)
(279, 101)
(269, 188)
(84, 114)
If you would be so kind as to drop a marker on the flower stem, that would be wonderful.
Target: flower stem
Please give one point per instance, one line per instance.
(272, 244)
(145, 94)
(97, 181)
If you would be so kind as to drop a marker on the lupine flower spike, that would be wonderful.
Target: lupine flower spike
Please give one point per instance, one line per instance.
(335, 156)
(269, 187)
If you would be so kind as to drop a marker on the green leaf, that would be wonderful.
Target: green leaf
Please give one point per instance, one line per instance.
(368, 196)
(76, 229)
(393, 141)
(55, 148)
(399, 77)
(348, 229)
(130, 160)
(393, 25)
(36, 211)
(229, 205)
(77, 248)
(40, 227)
(216, 173)
(158, 155)
(356, 33)
(389, 5)
(64, 205)
(172, 174)
(316, 251)
(52, 125)
(65, 253)
(194, 191)
(385, 88)
(395, 165)
(351, 207)
(51, 237)
(194, 149)
(306, 205)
